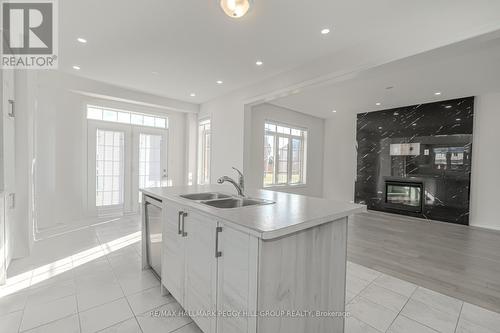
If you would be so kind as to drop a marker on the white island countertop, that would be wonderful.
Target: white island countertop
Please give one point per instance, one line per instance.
(289, 214)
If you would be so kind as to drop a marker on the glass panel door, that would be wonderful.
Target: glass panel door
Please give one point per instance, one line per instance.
(150, 159)
(109, 168)
(150, 166)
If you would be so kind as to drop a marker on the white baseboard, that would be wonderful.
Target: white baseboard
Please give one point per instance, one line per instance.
(488, 227)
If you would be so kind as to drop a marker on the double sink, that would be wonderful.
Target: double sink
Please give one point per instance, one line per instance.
(221, 200)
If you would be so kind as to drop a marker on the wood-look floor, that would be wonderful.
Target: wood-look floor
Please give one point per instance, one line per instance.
(458, 261)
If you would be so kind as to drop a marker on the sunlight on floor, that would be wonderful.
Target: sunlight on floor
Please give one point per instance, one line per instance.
(45, 272)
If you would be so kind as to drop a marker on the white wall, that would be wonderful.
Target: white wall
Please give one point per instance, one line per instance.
(339, 170)
(61, 142)
(486, 162)
(315, 139)
(227, 130)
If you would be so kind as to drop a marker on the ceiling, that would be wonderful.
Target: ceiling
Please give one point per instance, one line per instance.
(465, 69)
(190, 44)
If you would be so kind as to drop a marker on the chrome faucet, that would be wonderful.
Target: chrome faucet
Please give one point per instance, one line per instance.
(240, 185)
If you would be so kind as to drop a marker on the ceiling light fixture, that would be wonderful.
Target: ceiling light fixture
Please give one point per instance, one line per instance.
(259, 63)
(448, 106)
(437, 93)
(325, 31)
(81, 40)
(378, 104)
(192, 95)
(76, 68)
(458, 119)
(235, 8)
(219, 82)
(334, 111)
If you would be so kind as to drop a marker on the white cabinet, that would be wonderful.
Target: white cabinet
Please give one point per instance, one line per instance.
(173, 264)
(201, 270)
(3, 268)
(209, 265)
(7, 167)
(189, 268)
(237, 281)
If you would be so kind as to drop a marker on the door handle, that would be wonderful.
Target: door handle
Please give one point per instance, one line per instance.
(12, 203)
(217, 252)
(12, 112)
(179, 231)
(184, 214)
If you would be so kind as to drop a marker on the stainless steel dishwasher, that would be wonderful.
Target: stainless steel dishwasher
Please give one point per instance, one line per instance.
(153, 214)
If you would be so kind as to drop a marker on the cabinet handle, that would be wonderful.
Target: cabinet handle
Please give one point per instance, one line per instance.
(12, 112)
(217, 252)
(179, 231)
(184, 214)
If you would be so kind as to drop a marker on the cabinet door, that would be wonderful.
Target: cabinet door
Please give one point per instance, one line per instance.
(237, 270)
(173, 264)
(3, 268)
(201, 270)
(8, 161)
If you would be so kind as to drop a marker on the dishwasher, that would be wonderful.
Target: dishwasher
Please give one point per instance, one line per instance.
(153, 215)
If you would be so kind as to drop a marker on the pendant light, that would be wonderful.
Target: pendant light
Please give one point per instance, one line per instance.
(235, 8)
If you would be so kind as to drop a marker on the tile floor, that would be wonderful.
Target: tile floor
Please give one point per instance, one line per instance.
(91, 281)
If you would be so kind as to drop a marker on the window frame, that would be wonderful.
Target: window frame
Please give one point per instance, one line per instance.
(201, 150)
(155, 117)
(303, 153)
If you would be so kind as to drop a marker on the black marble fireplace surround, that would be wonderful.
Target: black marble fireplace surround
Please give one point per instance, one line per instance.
(416, 160)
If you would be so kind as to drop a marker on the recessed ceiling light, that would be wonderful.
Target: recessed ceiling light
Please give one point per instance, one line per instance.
(448, 106)
(259, 63)
(192, 95)
(325, 31)
(76, 68)
(81, 40)
(437, 93)
(380, 127)
(220, 82)
(378, 104)
(458, 119)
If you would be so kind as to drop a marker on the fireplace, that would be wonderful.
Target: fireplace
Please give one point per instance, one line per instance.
(404, 195)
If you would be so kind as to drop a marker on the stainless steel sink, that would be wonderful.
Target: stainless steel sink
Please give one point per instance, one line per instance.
(236, 202)
(205, 196)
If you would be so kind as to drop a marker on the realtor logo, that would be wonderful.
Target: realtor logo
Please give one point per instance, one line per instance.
(29, 38)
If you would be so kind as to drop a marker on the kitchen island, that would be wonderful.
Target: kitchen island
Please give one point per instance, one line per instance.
(274, 264)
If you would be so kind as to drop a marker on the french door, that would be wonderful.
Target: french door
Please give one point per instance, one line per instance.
(150, 160)
(123, 159)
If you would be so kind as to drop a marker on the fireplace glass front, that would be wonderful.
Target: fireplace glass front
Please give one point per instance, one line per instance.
(404, 195)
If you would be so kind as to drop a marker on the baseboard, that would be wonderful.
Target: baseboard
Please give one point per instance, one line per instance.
(482, 226)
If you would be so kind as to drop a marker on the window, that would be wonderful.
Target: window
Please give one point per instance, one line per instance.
(125, 117)
(204, 152)
(284, 155)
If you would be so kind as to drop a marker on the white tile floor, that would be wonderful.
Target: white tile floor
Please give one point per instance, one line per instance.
(91, 281)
